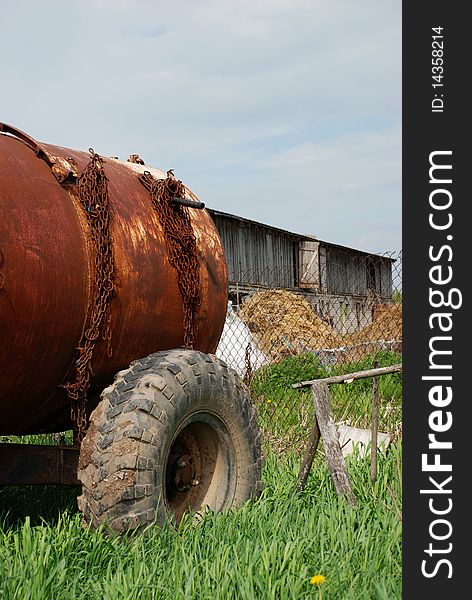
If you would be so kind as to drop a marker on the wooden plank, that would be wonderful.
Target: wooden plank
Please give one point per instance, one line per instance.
(349, 377)
(309, 456)
(329, 433)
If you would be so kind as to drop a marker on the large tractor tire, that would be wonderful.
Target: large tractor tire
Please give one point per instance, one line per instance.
(175, 431)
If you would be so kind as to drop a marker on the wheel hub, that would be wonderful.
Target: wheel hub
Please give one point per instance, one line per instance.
(184, 476)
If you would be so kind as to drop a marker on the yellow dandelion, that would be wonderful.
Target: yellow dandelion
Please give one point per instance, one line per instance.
(318, 580)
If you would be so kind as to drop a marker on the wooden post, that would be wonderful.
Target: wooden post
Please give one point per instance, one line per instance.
(309, 456)
(329, 433)
(375, 420)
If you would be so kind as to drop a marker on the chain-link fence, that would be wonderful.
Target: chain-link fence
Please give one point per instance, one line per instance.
(347, 318)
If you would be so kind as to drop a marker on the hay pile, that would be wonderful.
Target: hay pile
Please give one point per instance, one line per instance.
(387, 326)
(284, 323)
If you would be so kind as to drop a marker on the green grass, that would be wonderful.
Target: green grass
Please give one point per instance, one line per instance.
(286, 414)
(42, 439)
(269, 549)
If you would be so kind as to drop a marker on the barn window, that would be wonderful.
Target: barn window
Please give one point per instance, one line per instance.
(358, 314)
(371, 276)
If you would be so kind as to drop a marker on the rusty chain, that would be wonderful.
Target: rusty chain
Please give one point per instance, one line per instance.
(92, 186)
(247, 362)
(181, 245)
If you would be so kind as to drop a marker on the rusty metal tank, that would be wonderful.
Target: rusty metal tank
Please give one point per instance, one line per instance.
(47, 275)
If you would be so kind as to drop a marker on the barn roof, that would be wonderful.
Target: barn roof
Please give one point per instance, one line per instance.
(295, 236)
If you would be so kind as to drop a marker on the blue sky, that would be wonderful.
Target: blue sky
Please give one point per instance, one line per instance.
(282, 111)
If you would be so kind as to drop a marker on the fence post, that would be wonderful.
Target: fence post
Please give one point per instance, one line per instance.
(333, 452)
(375, 420)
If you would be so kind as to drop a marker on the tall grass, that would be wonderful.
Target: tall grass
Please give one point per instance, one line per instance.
(267, 550)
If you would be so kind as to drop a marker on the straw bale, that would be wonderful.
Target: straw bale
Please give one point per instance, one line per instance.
(386, 326)
(285, 323)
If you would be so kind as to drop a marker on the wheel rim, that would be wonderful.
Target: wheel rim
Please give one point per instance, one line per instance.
(200, 467)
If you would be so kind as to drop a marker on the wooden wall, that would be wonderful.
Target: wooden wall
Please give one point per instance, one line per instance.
(259, 255)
